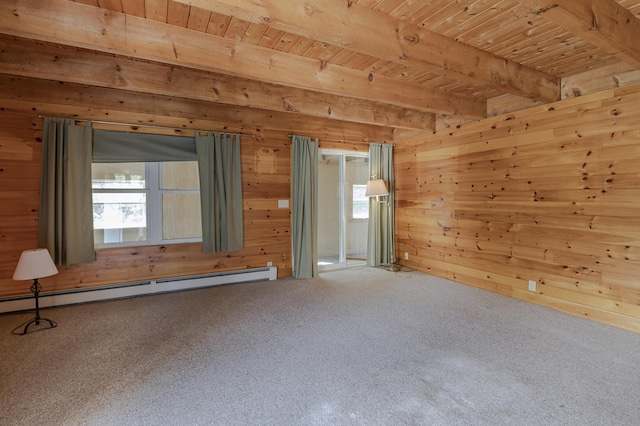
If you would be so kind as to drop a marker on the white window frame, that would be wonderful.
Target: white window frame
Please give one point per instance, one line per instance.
(353, 200)
(153, 173)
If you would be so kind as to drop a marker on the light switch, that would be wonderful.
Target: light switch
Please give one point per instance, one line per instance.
(283, 204)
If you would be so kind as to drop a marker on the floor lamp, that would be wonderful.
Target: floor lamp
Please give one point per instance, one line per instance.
(34, 264)
(378, 188)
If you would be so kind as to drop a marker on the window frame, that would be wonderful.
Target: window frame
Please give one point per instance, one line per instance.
(154, 215)
(353, 201)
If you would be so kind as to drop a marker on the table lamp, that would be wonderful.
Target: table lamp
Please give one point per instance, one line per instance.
(34, 264)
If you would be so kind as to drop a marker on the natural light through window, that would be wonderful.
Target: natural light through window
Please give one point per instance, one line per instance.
(360, 206)
(145, 203)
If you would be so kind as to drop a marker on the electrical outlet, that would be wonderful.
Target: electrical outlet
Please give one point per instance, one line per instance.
(532, 285)
(269, 264)
(406, 256)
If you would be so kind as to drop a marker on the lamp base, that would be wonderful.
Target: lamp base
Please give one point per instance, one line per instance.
(393, 267)
(35, 288)
(36, 321)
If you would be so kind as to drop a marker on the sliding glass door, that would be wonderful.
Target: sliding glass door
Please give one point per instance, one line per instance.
(343, 209)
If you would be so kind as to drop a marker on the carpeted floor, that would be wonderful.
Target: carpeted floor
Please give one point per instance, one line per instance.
(360, 346)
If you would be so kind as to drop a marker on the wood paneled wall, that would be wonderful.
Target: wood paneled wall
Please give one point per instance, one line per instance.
(266, 177)
(550, 193)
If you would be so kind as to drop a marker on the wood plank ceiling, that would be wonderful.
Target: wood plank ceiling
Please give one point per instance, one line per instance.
(391, 63)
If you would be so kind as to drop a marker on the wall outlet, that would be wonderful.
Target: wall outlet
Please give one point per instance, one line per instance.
(269, 263)
(406, 256)
(532, 285)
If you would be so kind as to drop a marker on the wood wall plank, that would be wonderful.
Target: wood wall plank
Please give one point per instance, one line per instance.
(267, 228)
(549, 193)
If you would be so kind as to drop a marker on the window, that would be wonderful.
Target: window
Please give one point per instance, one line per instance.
(360, 203)
(146, 203)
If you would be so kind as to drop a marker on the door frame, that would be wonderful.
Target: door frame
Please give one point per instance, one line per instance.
(342, 256)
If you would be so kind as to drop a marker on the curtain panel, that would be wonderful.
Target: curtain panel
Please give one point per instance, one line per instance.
(66, 212)
(66, 204)
(381, 241)
(304, 195)
(219, 166)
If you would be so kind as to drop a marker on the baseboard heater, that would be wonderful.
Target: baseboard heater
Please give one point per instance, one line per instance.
(119, 291)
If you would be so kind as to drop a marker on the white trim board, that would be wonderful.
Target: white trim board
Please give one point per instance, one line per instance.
(119, 291)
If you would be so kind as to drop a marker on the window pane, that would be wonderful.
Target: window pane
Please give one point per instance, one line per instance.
(360, 204)
(118, 176)
(119, 217)
(180, 175)
(149, 203)
(181, 216)
(361, 209)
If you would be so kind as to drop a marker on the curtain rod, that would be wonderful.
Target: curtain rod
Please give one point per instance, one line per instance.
(152, 126)
(345, 140)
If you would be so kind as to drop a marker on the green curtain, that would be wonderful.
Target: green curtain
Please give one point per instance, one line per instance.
(66, 207)
(304, 195)
(381, 241)
(220, 191)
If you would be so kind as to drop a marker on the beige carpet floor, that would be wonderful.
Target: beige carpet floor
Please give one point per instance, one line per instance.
(360, 346)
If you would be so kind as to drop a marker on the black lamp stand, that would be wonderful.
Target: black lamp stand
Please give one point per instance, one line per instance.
(35, 289)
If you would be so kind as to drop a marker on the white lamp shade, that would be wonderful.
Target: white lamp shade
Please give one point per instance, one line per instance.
(34, 263)
(375, 188)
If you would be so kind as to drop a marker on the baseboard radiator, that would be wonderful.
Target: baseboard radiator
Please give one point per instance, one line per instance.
(119, 291)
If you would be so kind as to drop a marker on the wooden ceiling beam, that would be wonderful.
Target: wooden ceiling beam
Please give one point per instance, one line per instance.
(367, 31)
(31, 59)
(603, 23)
(46, 97)
(79, 25)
